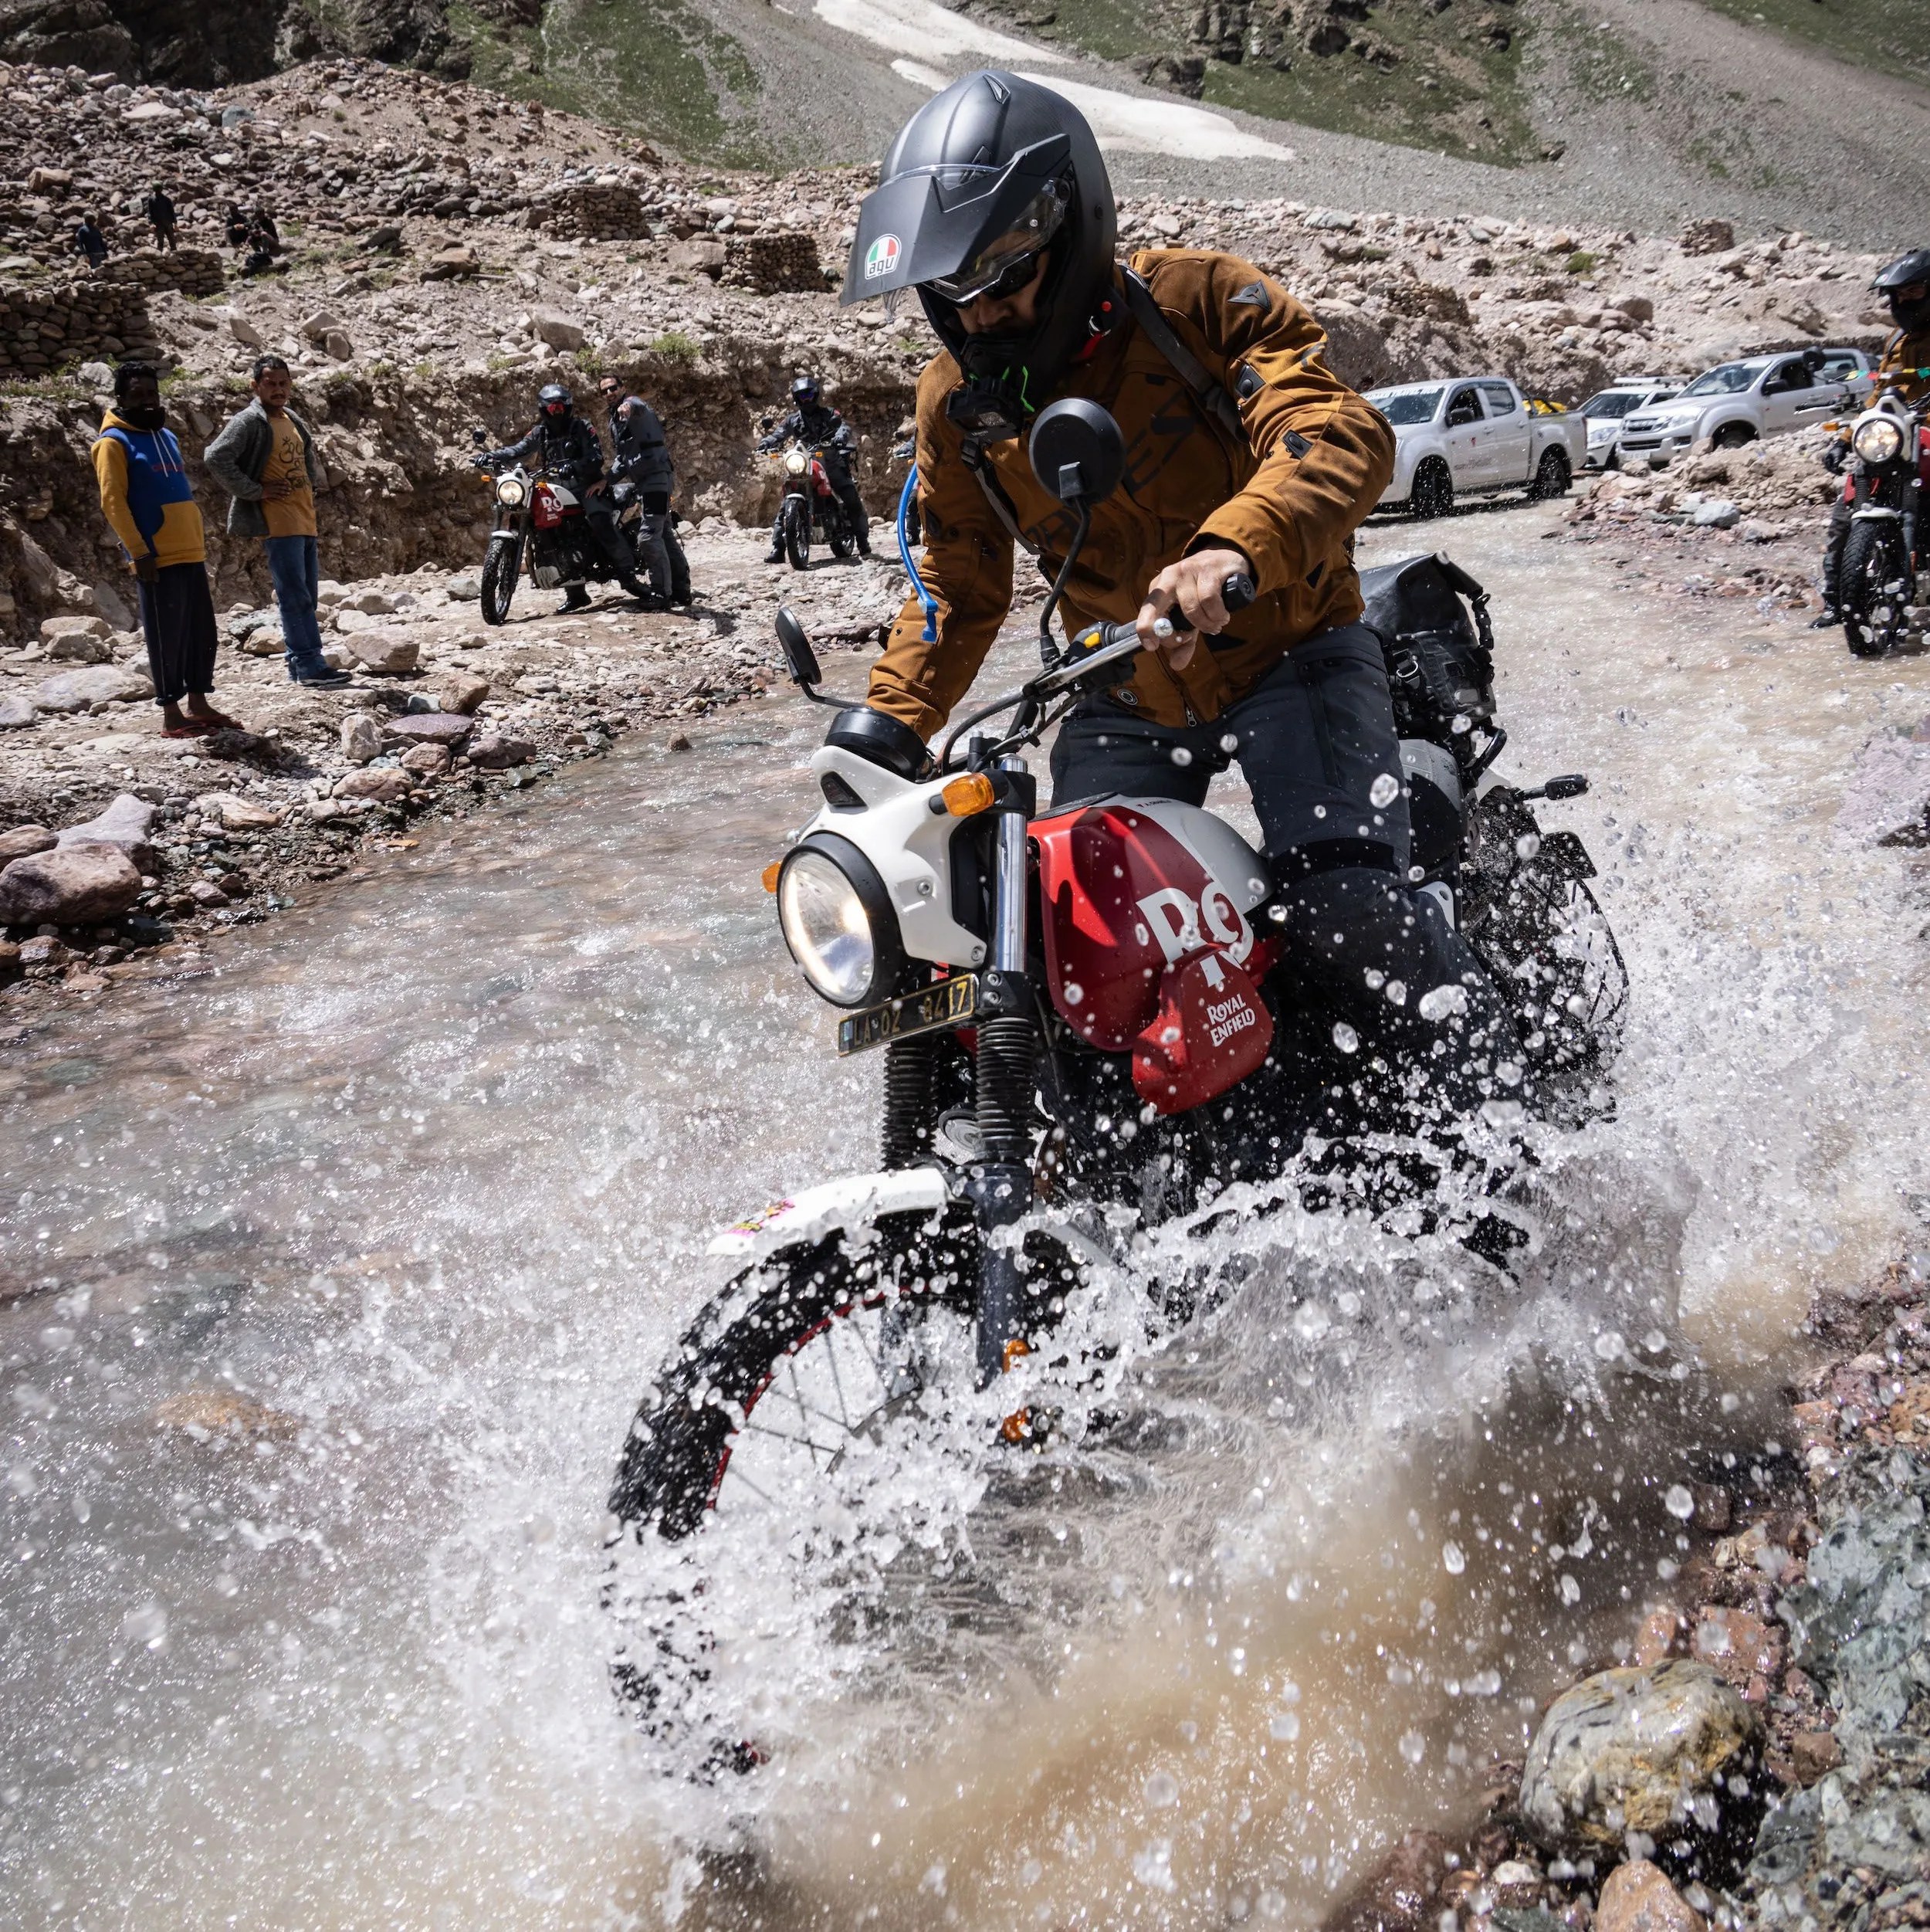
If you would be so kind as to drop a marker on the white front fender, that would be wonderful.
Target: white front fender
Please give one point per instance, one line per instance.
(811, 1215)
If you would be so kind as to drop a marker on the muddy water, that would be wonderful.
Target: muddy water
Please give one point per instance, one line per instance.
(390, 1218)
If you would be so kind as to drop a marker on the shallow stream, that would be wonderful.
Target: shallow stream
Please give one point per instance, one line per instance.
(346, 1264)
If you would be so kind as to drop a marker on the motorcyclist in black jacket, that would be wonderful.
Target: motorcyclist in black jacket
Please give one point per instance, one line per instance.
(818, 427)
(640, 464)
(570, 450)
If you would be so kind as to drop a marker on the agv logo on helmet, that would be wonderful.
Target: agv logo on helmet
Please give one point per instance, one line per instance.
(882, 257)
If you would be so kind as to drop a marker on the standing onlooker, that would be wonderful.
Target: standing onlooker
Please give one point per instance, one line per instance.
(161, 215)
(265, 460)
(145, 494)
(89, 241)
(640, 459)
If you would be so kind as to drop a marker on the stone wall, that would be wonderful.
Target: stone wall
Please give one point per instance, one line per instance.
(773, 264)
(45, 325)
(192, 271)
(590, 212)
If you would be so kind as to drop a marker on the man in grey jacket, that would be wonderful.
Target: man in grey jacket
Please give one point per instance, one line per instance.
(265, 460)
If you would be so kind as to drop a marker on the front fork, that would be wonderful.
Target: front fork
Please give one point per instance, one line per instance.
(999, 1184)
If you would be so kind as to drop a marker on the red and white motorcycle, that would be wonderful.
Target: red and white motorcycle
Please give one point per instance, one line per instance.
(1079, 1015)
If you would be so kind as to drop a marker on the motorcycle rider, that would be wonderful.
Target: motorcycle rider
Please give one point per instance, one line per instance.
(821, 428)
(1245, 454)
(569, 448)
(640, 461)
(1905, 367)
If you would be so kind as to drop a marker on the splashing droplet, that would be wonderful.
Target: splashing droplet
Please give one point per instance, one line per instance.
(1451, 1559)
(1284, 1725)
(1181, 755)
(1383, 791)
(1072, 992)
(1679, 1503)
(1162, 1789)
(1414, 1747)
(1344, 1037)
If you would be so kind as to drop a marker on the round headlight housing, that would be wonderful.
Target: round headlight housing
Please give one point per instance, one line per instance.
(838, 922)
(1877, 439)
(510, 493)
(795, 464)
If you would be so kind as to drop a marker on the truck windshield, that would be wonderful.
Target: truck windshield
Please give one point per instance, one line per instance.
(1410, 406)
(1730, 379)
(1613, 403)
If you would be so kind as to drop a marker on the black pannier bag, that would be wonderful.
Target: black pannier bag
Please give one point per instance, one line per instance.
(1440, 665)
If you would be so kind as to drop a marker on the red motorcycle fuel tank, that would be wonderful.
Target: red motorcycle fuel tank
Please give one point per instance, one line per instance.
(1148, 949)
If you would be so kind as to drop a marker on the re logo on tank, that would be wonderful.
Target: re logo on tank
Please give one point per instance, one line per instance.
(882, 257)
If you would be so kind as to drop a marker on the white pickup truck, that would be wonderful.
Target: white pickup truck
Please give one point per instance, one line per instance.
(1469, 436)
(1736, 402)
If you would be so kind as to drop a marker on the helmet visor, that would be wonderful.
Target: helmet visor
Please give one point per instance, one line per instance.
(1006, 262)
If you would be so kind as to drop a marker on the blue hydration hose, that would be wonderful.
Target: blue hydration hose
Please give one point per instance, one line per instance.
(904, 557)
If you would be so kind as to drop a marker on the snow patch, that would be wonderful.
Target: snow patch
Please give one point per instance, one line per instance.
(919, 28)
(1125, 121)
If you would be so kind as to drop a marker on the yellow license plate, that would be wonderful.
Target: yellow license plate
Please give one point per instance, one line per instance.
(952, 1002)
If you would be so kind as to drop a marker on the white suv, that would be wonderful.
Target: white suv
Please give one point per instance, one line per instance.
(1608, 410)
(1763, 395)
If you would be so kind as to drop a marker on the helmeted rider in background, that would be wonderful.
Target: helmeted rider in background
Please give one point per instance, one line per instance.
(569, 449)
(1904, 286)
(819, 427)
(1245, 453)
(640, 460)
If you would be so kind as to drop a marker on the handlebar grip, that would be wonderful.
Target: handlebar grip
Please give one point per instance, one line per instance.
(1237, 591)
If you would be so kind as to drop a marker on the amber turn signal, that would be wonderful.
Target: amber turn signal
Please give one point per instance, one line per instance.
(974, 792)
(770, 873)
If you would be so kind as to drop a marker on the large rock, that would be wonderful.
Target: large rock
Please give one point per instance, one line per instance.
(1637, 1898)
(237, 814)
(558, 331)
(16, 714)
(464, 692)
(98, 684)
(458, 262)
(125, 825)
(701, 255)
(23, 839)
(1709, 237)
(384, 784)
(384, 652)
(449, 728)
(362, 737)
(71, 886)
(1641, 1751)
(497, 752)
(77, 640)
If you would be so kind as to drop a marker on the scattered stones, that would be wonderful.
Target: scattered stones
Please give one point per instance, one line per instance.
(23, 839)
(1709, 237)
(1632, 1750)
(16, 714)
(1636, 1897)
(464, 692)
(386, 653)
(125, 825)
(209, 1414)
(450, 728)
(497, 752)
(98, 684)
(78, 885)
(361, 738)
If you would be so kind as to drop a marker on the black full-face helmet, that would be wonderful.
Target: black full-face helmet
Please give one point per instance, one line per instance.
(983, 181)
(1905, 286)
(553, 400)
(803, 391)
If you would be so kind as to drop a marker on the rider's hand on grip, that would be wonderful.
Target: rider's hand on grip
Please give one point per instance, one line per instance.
(1198, 595)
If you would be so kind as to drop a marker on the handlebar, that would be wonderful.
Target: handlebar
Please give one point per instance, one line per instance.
(1104, 646)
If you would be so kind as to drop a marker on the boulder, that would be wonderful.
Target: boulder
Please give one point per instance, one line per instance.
(23, 839)
(449, 728)
(464, 692)
(10, 967)
(426, 760)
(385, 240)
(458, 263)
(1637, 308)
(496, 751)
(361, 738)
(52, 628)
(467, 588)
(125, 824)
(80, 885)
(245, 332)
(318, 328)
(80, 647)
(384, 652)
(237, 814)
(1635, 1897)
(558, 331)
(1641, 1750)
(1718, 513)
(1709, 237)
(384, 786)
(701, 255)
(16, 714)
(97, 684)
(338, 346)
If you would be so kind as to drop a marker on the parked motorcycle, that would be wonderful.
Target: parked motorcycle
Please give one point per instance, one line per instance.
(540, 520)
(1083, 1035)
(811, 505)
(1882, 482)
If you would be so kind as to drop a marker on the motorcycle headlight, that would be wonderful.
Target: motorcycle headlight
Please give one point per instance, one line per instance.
(1877, 441)
(794, 463)
(838, 923)
(510, 493)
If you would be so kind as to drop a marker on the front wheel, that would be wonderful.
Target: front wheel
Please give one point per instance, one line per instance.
(1732, 436)
(797, 532)
(1874, 589)
(1552, 475)
(1432, 493)
(500, 570)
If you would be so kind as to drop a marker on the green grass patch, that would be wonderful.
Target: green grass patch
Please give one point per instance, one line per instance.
(1581, 262)
(1888, 35)
(674, 346)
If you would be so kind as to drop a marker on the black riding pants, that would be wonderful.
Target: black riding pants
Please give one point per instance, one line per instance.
(1833, 545)
(609, 539)
(1316, 743)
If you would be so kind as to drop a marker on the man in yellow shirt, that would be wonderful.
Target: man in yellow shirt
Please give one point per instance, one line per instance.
(265, 460)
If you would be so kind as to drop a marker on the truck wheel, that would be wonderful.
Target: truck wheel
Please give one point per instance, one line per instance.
(1732, 436)
(1553, 476)
(1433, 492)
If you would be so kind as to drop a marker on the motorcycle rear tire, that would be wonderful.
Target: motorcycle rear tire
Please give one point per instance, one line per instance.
(501, 568)
(797, 533)
(1873, 590)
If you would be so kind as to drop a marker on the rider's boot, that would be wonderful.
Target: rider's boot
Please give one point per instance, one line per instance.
(633, 586)
(776, 553)
(575, 598)
(1827, 620)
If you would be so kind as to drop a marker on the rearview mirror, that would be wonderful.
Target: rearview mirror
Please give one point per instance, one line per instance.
(1077, 452)
(798, 655)
(480, 440)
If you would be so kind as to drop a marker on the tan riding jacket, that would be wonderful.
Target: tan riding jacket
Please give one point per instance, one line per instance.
(1289, 505)
(1906, 360)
